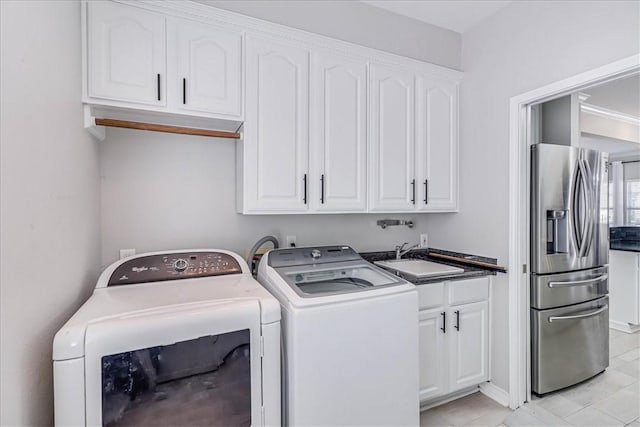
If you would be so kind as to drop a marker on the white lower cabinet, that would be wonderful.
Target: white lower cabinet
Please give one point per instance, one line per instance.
(468, 345)
(433, 378)
(454, 336)
(624, 290)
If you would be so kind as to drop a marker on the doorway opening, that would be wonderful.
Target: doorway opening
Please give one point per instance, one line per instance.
(525, 130)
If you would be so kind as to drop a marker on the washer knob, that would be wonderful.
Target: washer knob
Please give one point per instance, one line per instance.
(180, 265)
(315, 254)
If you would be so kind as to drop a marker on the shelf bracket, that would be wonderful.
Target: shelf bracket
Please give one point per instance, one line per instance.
(90, 124)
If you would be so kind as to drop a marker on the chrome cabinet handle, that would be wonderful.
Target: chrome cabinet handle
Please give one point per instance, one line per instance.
(579, 316)
(158, 81)
(322, 188)
(444, 322)
(457, 326)
(577, 282)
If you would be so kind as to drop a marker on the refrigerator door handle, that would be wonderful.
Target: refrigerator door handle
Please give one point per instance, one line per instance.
(582, 209)
(578, 282)
(591, 201)
(579, 316)
(575, 206)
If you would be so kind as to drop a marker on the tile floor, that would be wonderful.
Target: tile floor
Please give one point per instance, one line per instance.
(610, 399)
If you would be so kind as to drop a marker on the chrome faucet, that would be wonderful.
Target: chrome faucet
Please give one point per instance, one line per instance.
(400, 252)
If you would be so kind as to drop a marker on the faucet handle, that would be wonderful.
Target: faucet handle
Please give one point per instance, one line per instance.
(403, 245)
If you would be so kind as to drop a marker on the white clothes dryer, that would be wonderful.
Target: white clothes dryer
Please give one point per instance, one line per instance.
(350, 332)
(171, 338)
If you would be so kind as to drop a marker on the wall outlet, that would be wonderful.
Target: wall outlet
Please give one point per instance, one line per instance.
(423, 240)
(291, 241)
(126, 253)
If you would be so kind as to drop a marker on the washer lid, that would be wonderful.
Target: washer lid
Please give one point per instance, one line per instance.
(312, 281)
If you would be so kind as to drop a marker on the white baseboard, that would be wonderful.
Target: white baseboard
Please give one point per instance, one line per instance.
(448, 398)
(623, 326)
(494, 392)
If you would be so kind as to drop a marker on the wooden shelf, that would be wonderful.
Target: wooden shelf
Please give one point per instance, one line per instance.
(167, 129)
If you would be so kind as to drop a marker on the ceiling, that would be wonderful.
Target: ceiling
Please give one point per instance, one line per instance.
(621, 95)
(458, 15)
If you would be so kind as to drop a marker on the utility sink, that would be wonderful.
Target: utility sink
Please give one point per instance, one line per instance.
(419, 268)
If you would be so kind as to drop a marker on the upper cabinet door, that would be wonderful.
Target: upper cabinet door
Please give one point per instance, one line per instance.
(276, 133)
(338, 134)
(437, 145)
(205, 68)
(393, 185)
(126, 53)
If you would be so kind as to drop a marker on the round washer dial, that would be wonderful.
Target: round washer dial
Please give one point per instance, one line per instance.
(180, 265)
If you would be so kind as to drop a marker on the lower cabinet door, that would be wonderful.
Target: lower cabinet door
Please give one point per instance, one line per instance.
(468, 340)
(433, 353)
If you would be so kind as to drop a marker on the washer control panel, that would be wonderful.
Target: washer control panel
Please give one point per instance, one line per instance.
(318, 255)
(174, 266)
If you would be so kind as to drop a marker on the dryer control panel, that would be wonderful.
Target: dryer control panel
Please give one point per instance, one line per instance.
(185, 265)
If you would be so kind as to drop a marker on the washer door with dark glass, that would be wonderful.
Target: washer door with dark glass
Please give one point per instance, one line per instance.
(336, 279)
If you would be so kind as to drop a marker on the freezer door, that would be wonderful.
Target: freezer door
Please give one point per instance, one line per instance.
(569, 344)
(557, 290)
(569, 224)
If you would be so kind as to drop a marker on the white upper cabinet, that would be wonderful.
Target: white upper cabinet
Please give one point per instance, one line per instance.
(205, 68)
(392, 180)
(328, 126)
(338, 116)
(142, 60)
(275, 147)
(126, 53)
(437, 144)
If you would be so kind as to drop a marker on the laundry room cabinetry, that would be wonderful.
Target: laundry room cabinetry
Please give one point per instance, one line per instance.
(413, 142)
(205, 74)
(273, 158)
(143, 60)
(338, 133)
(305, 138)
(126, 55)
(392, 145)
(326, 126)
(453, 336)
(436, 144)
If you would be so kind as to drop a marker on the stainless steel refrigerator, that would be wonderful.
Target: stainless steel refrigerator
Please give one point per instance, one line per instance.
(569, 257)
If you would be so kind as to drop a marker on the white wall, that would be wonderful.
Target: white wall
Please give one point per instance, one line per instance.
(48, 199)
(162, 191)
(359, 23)
(526, 45)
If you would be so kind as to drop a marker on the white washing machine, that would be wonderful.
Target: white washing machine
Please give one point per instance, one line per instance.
(350, 333)
(171, 338)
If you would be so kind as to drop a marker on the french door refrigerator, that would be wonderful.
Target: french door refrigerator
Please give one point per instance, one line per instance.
(569, 272)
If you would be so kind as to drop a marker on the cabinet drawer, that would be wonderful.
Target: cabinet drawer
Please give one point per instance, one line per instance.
(431, 295)
(466, 291)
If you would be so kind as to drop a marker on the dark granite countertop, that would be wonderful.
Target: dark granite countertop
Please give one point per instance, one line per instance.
(469, 270)
(626, 238)
(625, 246)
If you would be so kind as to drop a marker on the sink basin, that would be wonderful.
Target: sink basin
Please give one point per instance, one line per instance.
(419, 268)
